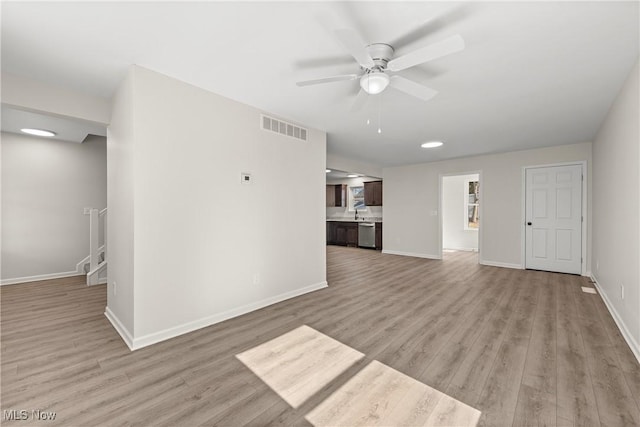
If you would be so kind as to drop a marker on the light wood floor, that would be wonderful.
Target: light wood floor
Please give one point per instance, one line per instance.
(523, 347)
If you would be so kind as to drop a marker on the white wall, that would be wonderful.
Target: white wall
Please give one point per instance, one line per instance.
(411, 196)
(120, 198)
(454, 235)
(616, 210)
(32, 95)
(207, 247)
(45, 186)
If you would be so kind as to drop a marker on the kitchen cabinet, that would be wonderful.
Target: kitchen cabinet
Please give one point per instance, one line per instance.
(373, 193)
(352, 234)
(342, 233)
(331, 233)
(336, 196)
(345, 233)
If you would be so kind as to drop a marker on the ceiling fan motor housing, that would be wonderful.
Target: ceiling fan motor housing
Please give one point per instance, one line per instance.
(381, 54)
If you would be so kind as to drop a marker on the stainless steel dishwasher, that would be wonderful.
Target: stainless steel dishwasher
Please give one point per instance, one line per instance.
(367, 234)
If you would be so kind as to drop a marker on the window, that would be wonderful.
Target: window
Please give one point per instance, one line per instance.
(472, 205)
(356, 198)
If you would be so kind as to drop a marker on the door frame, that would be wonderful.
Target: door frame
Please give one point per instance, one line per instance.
(584, 207)
(480, 210)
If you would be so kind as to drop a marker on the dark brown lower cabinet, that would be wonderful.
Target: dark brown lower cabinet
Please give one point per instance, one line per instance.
(331, 233)
(352, 234)
(346, 234)
(342, 233)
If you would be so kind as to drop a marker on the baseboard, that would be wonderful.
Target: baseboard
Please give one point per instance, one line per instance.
(501, 264)
(119, 327)
(166, 334)
(462, 249)
(17, 280)
(412, 254)
(631, 342)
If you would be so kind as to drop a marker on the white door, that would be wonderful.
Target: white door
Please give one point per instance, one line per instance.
(553, 220)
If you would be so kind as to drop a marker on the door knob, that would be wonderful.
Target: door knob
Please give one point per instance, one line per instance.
(528, 223)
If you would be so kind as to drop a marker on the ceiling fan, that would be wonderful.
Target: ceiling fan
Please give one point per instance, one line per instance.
(377, 65)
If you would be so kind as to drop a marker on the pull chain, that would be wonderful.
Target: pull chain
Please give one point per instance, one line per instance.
(380, 114)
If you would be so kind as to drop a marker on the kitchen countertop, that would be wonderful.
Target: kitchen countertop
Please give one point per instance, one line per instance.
(352, 220)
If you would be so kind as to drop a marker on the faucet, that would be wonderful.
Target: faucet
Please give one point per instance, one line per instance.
(356, 217)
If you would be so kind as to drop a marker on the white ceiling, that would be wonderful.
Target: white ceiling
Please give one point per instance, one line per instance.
(65, 129)
(532, 74)
(337, 174)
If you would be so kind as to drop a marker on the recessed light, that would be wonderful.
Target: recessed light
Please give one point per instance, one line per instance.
(328, 170)
(431, 144)
(38, 132)
(352, 175)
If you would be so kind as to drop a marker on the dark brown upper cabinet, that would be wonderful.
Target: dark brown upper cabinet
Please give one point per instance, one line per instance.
(336, 196)
(373, 193)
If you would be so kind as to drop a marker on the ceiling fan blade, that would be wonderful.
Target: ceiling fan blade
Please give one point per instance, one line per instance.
(412, 88)
(361, 98)
(355, 46)
(433, 51)
(328, 80)
(436, 23)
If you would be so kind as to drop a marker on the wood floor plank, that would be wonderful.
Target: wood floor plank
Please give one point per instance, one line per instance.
(469, 379)
(537, 394)
(499, 396)
(523, 347)
(576, 403)
(614, 399)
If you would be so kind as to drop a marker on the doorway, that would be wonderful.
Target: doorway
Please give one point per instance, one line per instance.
(554, 218)
(460, 219)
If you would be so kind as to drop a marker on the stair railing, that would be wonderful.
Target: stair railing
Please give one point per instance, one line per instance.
(95, 264)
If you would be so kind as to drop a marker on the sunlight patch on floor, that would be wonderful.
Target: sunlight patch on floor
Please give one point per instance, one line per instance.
(300, 363)
(381, 396)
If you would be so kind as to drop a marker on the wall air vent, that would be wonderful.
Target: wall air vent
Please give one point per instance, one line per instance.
(283, 128)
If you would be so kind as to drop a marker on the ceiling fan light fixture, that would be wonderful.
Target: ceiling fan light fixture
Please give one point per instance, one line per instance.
(374, 82)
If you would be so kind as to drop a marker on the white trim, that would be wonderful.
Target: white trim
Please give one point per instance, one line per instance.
(501, 264)
(17, 280)
(80, 265)
(465, 212)
(631, 342)
(585, 210)
(119, 327)
(412, 254)
(93, 277)
(480, 211)
(175, 331)
(461, 249)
